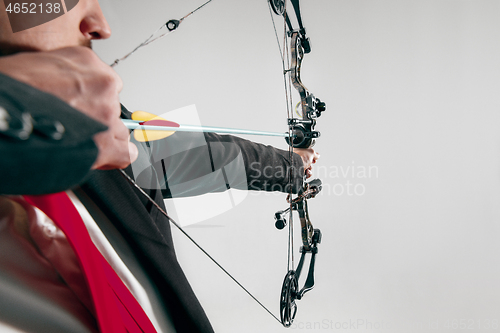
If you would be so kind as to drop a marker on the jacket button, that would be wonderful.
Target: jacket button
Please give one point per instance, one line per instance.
(48, 128)
(14, 126)
(4, 119)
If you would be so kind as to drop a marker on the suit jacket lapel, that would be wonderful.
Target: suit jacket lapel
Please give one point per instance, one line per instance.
(148, 233)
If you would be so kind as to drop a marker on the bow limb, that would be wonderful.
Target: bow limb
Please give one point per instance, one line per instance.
(311, 107)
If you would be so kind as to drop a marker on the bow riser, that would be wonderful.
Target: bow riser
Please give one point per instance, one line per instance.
(311, 107)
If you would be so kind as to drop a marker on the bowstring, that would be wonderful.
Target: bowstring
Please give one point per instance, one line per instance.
(192, 12)
(177, 225)
(285, 62)
(150, 39)
(146, 42)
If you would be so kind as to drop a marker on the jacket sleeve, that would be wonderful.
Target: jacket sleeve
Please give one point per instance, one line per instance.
(188, 164)
(46, 145)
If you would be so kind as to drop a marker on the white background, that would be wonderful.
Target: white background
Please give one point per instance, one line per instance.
(412, 89)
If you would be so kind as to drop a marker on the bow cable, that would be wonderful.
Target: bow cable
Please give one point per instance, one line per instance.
(285, 61)
(171, 26)
(163, 212)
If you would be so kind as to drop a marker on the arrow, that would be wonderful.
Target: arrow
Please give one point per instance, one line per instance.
(170, 126)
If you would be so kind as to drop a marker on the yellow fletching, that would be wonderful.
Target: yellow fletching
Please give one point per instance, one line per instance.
(144, 116)
(148, 135)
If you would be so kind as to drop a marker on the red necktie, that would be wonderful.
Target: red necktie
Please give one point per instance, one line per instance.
(115, 308)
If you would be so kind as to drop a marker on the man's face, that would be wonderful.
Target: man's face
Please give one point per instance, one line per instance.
(75, 28)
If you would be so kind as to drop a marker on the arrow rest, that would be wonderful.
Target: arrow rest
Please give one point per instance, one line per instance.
(303, 129)
(302, 133)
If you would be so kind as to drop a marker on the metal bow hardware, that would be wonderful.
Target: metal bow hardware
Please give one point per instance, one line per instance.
(301, 134)
(310, 239)
(311, 107)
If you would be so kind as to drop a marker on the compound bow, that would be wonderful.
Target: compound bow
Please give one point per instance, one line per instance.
(302, 134)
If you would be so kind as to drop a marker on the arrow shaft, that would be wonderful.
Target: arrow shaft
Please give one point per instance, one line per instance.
(134, 124)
